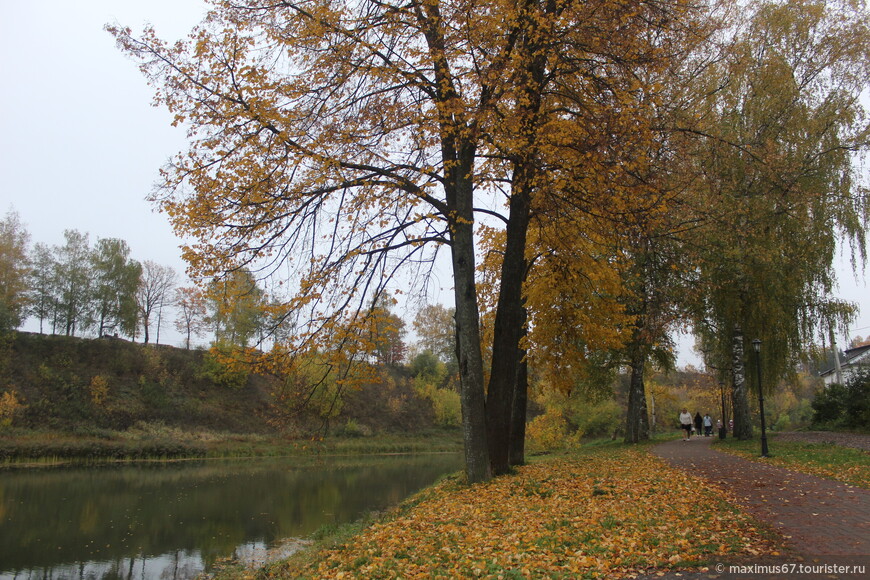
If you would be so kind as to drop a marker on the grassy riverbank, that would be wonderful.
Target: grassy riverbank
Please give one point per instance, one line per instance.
(23, 447)
(844, 464)
(603, 510)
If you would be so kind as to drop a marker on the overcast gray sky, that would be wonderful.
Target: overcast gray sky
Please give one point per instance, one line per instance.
(80, 143)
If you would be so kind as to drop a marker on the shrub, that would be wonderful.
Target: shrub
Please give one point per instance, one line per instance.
(783, 423)
(548, 431)
(596, 419)
(844, 406)
(446, 403)
(99, 390)
(447, 406)
(10, 407)
(352, 429)
(221, 367)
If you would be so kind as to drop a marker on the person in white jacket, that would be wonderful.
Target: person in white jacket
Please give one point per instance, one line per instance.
(686, 423)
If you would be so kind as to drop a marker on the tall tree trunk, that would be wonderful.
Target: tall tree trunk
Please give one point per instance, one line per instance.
(739, 394)
(510, 314)
(637, 419)
(520, 405)
(159, 316)
(507, 331)
(472, 398)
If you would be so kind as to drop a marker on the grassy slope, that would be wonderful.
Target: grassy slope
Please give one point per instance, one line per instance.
(160, 401)
(55, 376)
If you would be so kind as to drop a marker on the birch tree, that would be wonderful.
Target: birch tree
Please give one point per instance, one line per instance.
(116, 280)
(192, 313)
(74, 283)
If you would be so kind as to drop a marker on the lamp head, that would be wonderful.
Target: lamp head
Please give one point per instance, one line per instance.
(756, 345)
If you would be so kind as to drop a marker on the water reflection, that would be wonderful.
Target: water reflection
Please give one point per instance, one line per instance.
(175, 520)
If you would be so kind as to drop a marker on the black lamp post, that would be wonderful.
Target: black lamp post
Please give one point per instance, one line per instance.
(756, 345)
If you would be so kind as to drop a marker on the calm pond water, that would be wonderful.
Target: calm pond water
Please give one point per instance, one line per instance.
(175, 520)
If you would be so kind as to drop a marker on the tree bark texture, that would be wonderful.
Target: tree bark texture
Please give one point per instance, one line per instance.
(507, 332)
(739, 394)
(520, 406)
(472, 398)
(637, 418)
(510, 313)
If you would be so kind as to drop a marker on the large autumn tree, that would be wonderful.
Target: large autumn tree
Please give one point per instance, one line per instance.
(342, 141)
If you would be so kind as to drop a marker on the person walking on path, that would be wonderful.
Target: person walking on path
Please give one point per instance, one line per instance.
(822, 520)
(686, 424)
(699, 422)
(708, 425)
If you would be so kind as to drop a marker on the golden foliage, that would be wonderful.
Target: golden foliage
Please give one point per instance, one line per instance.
(99, 390)
(313, 148)
(429, 383)
(10, 407)
(445, 404)
(548, 431)
(605, 512)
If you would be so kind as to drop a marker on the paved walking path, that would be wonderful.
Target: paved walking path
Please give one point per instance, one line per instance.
(818, 517)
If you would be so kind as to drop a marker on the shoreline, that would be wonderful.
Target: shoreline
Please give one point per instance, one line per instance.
(38, 449)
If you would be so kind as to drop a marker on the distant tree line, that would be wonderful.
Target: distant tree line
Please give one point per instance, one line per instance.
(77, 288)
(80, 289)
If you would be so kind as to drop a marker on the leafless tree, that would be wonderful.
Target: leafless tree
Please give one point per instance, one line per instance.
(154, 294)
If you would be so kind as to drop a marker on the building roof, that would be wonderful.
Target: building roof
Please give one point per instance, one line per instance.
(858, 356)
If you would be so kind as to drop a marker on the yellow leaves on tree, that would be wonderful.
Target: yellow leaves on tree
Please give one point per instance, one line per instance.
(99, 390)
(10, 407)
(548, 431)
(344, 142)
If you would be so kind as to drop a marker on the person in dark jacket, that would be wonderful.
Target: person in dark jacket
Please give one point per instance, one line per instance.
(699, 423)
(708, 425)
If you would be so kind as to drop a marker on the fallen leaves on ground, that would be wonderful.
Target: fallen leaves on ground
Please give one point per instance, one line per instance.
(603, 512)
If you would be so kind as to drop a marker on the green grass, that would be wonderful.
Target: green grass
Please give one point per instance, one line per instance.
(851, 466)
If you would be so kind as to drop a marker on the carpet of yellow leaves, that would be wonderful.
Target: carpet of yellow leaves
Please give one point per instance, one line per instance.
(599, 513)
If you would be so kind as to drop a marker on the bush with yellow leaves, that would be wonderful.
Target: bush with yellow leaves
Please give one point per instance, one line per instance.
(10, 407)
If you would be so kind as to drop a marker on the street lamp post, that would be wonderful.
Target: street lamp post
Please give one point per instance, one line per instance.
(756, 345)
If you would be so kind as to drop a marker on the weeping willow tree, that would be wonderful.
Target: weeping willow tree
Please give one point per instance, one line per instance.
(781, 182)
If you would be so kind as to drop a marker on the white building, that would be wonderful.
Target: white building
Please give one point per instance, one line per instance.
(852, 361)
